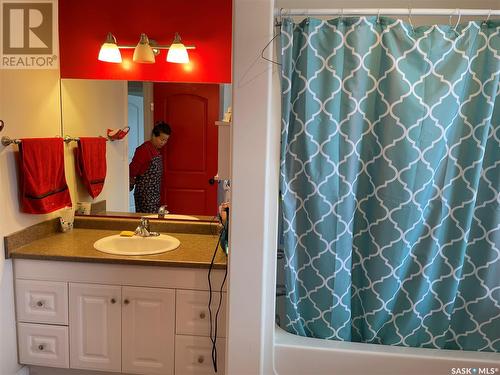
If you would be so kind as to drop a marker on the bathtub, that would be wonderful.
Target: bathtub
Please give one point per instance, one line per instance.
(296, 355)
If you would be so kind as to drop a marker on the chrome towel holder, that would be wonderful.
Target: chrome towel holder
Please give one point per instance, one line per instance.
(6, 141)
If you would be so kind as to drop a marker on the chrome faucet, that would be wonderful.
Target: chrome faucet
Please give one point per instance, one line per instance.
(162, 211)
(143, 230)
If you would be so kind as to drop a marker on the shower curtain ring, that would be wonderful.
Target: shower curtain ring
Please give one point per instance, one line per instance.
(458, 20)
(279, 20)
(409, 18)
(341, 15)
(487, 18)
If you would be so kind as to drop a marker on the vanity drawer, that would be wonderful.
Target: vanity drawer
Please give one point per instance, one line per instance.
(42, 301)
(43, 345)
(192, 317)
(193, 355)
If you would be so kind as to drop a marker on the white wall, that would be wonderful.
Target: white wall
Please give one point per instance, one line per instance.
(255, 173)
(29, 106)
(254, 195)
(89, 108)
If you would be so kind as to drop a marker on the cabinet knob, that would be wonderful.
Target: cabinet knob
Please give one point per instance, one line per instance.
(40, 303)
(41, 347)
(126, 301)
(201, 359)
(113, 300)
(202, 315)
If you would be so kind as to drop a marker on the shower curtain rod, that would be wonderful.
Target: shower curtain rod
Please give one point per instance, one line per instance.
(387, 12)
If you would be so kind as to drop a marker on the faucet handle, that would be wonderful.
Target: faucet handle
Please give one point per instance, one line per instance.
(145, 222)
(162, 211)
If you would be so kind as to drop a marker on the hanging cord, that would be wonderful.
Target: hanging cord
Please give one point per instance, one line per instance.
(214, 346)
(213, 330)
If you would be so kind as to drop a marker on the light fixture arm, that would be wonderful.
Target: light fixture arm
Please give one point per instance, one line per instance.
(153, 45)
(145, 51)
(156, 48)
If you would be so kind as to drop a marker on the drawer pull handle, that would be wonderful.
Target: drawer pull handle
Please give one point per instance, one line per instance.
(40, 303)
(113, 300)
(41, 347)
(126, 301)
(201, 359)
(202, 315)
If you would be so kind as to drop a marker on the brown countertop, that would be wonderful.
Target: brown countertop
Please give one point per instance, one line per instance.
(196, 249)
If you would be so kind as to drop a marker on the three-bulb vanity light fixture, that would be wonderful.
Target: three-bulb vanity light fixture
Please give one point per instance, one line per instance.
(145, 51)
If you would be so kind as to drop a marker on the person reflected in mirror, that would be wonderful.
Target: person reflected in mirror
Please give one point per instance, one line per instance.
(146, 170)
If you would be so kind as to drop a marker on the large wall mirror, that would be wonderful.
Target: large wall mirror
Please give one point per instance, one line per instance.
(190, 157)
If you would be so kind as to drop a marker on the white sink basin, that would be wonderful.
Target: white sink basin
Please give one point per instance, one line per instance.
(173, 217)
(136, 245)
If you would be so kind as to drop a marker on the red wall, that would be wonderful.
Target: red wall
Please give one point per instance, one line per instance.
(83, 25)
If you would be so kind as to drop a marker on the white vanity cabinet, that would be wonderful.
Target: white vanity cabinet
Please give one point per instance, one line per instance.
(117, 318)
(126, 329)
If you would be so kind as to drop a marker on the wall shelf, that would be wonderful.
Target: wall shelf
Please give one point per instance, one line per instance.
(223, 123)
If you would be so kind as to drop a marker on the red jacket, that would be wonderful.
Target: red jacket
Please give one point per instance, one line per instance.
(142, 159)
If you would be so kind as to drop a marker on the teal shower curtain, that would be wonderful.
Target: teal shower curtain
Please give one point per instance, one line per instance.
(390, 182)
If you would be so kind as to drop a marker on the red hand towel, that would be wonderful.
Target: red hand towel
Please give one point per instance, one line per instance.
(43, 187)
(90, 158)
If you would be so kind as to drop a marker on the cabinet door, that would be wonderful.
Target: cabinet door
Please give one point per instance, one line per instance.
(95, 326)
(148, 317)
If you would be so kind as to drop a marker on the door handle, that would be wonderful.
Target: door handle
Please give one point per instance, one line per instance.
(211, 181)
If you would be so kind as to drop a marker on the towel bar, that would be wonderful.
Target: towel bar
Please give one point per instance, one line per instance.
(6, 141)
(68, 139)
